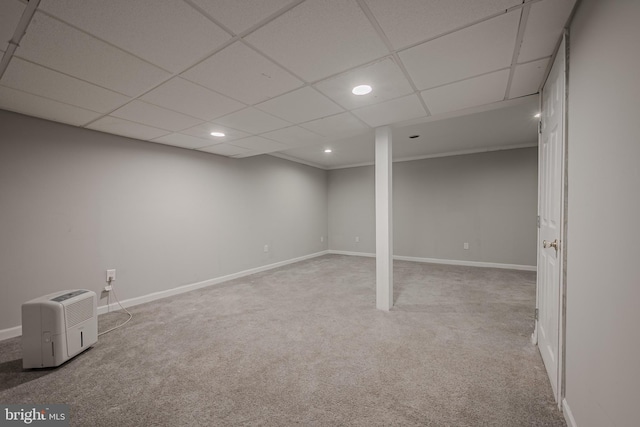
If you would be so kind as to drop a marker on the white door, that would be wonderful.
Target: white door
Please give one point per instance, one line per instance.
(550, 207)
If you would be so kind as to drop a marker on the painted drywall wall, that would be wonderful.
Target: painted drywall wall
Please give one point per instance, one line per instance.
(352, 210)
(488, 200)
(603, 280)
(75, 202)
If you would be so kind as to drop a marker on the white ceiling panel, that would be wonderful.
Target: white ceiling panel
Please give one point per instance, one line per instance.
(185, 97)
(26, 103)
(319, 38)
(385, 77)
(485, 47)
(204, 131)
(168, 33)
(468, 93)
(122, 127)
(544, 28)
(225, 150)
(301, 105)
(243, 74)
(51, 84)
(294, 136)
(343, 124)
(527, 78)
(259, 145)
(351, 151)
(55, 45)
(240, 15)
(152, 115)
(418, 20)
(183, 141)
(252, 120)
(396, 110)
(10, 14)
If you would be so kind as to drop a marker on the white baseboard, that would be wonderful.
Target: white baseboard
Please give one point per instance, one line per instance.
(17, 331)
(568, 415)
(5, 334)
(365, 254)
(444, 261)
(210, 282)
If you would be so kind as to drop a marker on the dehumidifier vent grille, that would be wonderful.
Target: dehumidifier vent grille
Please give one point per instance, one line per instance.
(79, 311)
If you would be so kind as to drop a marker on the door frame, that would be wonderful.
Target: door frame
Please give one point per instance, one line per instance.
(562, 49)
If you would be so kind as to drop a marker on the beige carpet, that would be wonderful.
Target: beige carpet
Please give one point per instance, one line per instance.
(304, 345)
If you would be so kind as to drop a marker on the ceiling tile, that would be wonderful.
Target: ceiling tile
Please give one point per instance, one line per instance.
(527, 78)
(170, 34)
(485, 47)
(152, 115)
(51, 84)
(225, 150)
(252, 121)
(122, 127)
(204, 131)
(389, 112)
(544, 28)
(26, 103)
(319, 38)
(418, 20)
(385, 77)
(300, 106)
(185, 97)
(468, 93)
(259, 145)
(61, 47)
(240, 15)
(351, 151)
(10, 14)
(183, 141)
(243, 74)
(339, 125)
(294, 136)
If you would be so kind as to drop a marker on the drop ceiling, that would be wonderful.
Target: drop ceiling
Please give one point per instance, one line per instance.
(276, 76)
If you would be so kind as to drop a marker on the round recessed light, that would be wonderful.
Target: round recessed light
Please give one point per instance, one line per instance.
(537, 116)
(218, 134)
(328, 150)
(361, 90)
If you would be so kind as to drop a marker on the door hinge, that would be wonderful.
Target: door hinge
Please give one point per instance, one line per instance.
(538, 222)
(536, 314)
(540, 126)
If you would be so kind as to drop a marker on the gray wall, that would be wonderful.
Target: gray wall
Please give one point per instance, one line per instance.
(75, 202)
(488, 200)
(603, 252)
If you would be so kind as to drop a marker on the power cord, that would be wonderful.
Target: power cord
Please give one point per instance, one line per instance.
(113, 289)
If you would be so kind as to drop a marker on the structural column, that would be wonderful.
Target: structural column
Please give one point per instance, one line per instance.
(384, 219)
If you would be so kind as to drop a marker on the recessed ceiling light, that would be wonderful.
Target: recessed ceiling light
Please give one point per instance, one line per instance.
(361, 90)
(218, 134)
(537, 116)
(328, 150)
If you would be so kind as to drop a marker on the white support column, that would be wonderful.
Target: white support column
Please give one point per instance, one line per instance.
(384, 219)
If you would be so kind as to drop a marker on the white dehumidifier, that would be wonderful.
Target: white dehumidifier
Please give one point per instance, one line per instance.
(58, 326)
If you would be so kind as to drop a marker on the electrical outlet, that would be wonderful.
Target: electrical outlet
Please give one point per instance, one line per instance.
(266, 248)
(466, 245)
(111, 275)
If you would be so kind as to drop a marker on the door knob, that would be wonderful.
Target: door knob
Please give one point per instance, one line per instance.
(553, 244)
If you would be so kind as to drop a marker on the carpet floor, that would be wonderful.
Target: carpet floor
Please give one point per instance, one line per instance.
(304, 345)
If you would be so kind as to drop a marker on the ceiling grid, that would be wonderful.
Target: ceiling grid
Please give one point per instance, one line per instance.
(276, 76)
